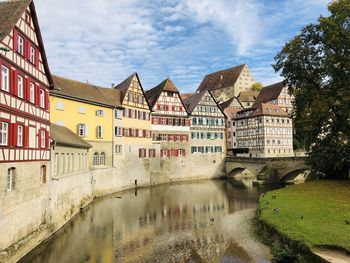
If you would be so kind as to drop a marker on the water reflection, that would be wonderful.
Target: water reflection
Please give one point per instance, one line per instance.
(169, 223)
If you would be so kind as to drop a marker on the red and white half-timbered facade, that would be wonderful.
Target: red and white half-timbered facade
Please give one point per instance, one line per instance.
(170, 123)
(24, 83)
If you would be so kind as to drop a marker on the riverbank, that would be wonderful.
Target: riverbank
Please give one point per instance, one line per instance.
(301, 219)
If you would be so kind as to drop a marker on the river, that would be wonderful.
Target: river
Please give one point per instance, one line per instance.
(204, 221)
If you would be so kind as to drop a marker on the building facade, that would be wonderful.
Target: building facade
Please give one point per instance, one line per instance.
(84, 109)
(228, 83)
(230, 108)
(170, 123)
(207, 132)
(25, 80)
(265, 131)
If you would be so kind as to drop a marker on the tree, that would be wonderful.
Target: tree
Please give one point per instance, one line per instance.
(257, 86)
(316, 67)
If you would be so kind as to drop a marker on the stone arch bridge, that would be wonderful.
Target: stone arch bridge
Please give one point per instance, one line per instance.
(266, 169)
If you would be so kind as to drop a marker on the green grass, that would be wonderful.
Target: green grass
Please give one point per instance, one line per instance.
(324, 204)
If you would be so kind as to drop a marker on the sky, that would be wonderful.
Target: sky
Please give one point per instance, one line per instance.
(105, 41)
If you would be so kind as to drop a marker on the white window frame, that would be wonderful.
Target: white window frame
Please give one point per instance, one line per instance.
(43, 139)
(10, 179)
(20, 86)
(82, 130)
(5, 78)
(118, 114)
(100, 132)
(32, 55)
(82, 110)
(100, 113)
(102, 158)
(42, 98)
(20, 45)
(20, 130)
(4, 133)
(96, 159)
(32, 92)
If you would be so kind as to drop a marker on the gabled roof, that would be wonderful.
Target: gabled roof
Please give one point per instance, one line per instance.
(65, 137)
(192, 101)
(230, 112)
(112, 95)
(10, 13)
(271, 92)
(221, 79)
(248, 96)
(84, 92)
(153, 94)
(125, 84)
(186, 95)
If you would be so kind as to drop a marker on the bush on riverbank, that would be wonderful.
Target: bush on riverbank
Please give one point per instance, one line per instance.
(314, 213)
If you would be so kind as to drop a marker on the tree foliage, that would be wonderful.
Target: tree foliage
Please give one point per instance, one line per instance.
(316, 66)
(257, 86)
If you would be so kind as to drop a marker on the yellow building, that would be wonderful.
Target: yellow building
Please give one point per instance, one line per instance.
(86, 110)
(134, 152)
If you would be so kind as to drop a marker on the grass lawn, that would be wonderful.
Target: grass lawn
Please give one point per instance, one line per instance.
(324, 205)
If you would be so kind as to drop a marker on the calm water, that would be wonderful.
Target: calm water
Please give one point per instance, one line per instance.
(192, 222)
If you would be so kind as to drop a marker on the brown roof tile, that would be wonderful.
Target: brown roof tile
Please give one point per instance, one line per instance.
(82, 91)
(271, 92)
(263, 109)
(65, 137)
(153, 94)
(221, 79)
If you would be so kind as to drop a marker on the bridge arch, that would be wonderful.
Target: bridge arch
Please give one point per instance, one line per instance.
(292, 175)
(241, 172)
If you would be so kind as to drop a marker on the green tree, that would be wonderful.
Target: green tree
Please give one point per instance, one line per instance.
(316, 66)
(257, 86)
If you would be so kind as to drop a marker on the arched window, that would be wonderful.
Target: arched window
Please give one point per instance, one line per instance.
(102, 158)
(96, 160)
(43, 174)
(11, 179)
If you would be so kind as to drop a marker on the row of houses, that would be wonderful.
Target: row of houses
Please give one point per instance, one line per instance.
(54, 129)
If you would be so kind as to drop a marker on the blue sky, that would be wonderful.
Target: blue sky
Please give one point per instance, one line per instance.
(105, 41)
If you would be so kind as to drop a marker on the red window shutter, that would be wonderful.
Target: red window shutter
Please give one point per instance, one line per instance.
(27, 92)
(27, 49)
(123, 132)
(166, 107)
(189, 122)
(47, 140)
(167, 121)
(140, 152)
(159, 121)
(37, 95)
(36, 57)
(161, 153)
(158, 106)
(14, 82)
(13, 134)
(39, 138)
(144, 134)
(137, 132)
(169, 152)
(47, 97)
(186, 137)
(176, 153)
(184, 152)
(15, 39)
(169, 137)
(152, 120)
(181, 137)
(180, 108)
(26, 136)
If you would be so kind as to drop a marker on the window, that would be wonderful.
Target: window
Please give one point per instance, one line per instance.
(130, 97)
(82, 130)
(20, 45)
(10, 179)
(27, 18)
(5, 80)
(20, 135)
(42, 98)
(59, 105)
(118, 149)
(142, 153)
(20, 86)
(32, 55)
(96, 159)
(82, 110)
(99, 113)
(43, 139)
(152, 153)
(140, 99)
(117, 131)
(32, 93)
(43, 174)
(102, 158)
(118, 114)
(4, 130)
(99, 132)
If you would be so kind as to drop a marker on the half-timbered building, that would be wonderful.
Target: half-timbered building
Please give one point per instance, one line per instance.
(24, 121)
(207, 132)
(170, 123)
